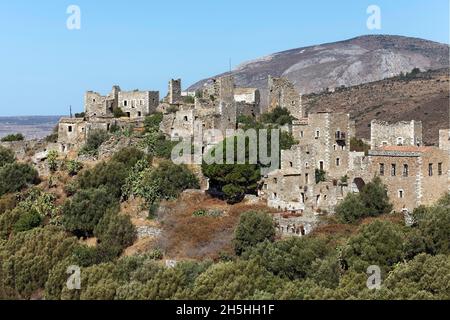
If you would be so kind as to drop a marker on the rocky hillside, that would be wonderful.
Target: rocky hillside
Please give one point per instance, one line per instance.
(345, 63)
(423, 97)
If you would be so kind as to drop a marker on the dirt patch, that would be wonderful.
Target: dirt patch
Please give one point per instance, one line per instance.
(185, 236)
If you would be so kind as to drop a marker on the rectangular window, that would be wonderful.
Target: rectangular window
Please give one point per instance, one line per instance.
(405, 170)
(401, 194)
(317, 134)
(125, 103)
(306, 178)
(338, 162)
(440, 169)
(393, 170)
(381, 169)
(302, 134)
(430, 170)
(69, 129)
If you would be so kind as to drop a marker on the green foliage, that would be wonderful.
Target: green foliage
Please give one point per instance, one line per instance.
(27, 221)
(287, 141)
(233, 180)
(115, 230)
(320, 175)
(81, 214)
(375, 198)
(129, 156)
(424, 278)
(295, 258)
(7, 156)
(118, 113)
(13, 137)
(52, 160)
(379, 243)
(253, 228)
(279, 116)
(351, 209)
(110, 175)
(16, 176)
(53, 137)
(433, 228)
(157, 145)
(95, 139)
(166, 181)
(189, 100)
(358, 145)
(73, 167)
(27, 258)
(153, 121)
(371, 202)
(172, 109)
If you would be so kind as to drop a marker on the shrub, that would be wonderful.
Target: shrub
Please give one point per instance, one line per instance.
(351, 209)
(6, 156)
(13, 137)
(73, 167)
(153, 121)
(359, 146)
(279, 116)
(375, 198)
(52, 160)
(110, 175)
(379, 243)
(95, 139)
(253, 228)
(27, 221)
(81, 214)
(320, 175)
(16, 176)
(128, 156)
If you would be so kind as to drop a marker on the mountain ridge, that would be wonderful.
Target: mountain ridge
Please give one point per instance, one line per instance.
(350, 62)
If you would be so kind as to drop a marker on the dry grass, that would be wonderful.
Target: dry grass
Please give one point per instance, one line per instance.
(187, 237)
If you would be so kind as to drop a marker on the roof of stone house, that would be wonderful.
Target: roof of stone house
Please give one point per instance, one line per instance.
(407, 148)
(402, 151)
(71, 120)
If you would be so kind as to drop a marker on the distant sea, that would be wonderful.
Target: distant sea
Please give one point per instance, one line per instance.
(32, 127)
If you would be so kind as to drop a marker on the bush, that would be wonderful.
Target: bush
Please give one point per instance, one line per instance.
(16, 176)
(6, 156)
(253, 228)
(81, 214)
(351, 209)
(52, 160)
(379, 243)
(73, 167)
(110, 175)
(115, 230)
(128, 156)
(320, 175)
(358, 145)
(375, 198)
(153, 121)
(95, 139)
(27, 221)
(279, 116)
(13, 137)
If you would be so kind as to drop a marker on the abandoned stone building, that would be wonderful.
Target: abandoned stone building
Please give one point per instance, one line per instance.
(174, 92)
(323, 148)
(99, 114)
(248, 102)
(404, 133)
(282, 93)
(413, 175)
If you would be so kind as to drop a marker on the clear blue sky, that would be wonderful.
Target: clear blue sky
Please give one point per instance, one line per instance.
(45, 67)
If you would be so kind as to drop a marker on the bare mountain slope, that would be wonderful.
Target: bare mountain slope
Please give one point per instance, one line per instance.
(345, 63)
(424, 97)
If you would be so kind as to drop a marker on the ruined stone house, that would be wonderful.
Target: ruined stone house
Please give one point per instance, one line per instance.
(282, 93)
(404, 133)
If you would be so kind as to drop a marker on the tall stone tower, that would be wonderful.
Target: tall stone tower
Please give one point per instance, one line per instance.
(174, 91)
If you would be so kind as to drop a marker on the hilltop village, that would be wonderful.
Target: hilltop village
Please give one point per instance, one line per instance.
(413, 173)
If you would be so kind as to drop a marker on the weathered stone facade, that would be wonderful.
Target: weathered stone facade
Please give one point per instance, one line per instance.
(414, 176)
(402, 133)
(138, 104)
(282, 93)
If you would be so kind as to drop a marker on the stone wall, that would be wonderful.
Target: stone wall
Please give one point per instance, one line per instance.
(392, 134)
(138, 104)
(282, 93)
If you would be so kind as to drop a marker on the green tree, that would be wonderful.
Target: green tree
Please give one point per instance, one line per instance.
(351, 209)
(52, 160)
(375, 198)
(153, 121)
(16, 176)
(379, 243)
(94, 140)
(81, 214)
(253, 228)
